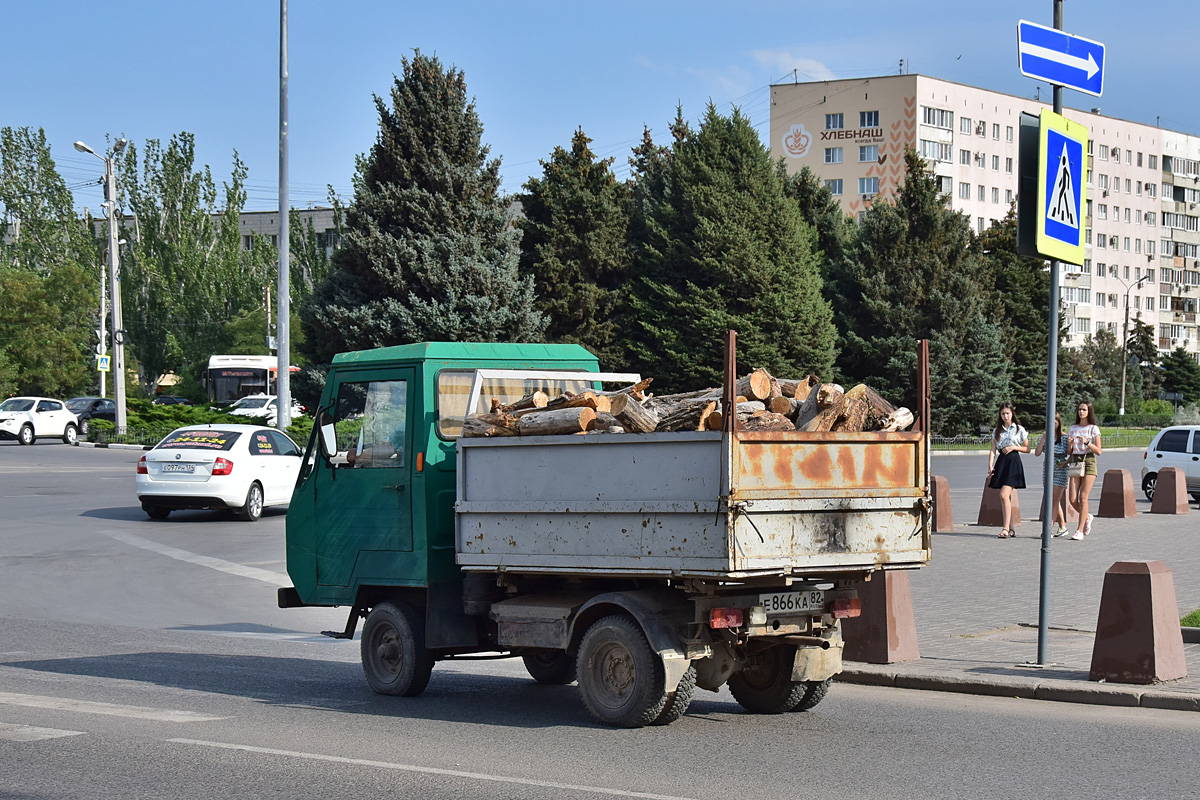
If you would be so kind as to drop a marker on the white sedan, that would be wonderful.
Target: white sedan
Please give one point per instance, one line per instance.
(263, 406)
(242, 467)
(27, 419)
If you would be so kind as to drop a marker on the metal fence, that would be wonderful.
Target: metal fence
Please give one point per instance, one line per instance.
(147, 437)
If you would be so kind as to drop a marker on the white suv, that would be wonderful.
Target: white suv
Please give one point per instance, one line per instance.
(29, 418)
(1178, 447)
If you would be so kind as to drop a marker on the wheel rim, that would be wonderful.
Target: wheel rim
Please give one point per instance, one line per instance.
(389, 655)
(71, 434)
(83, 427)
(26, 435)
(763, 674)
(615, 674)
(256, 501)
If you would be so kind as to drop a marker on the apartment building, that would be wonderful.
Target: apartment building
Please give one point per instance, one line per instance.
(1141, 217)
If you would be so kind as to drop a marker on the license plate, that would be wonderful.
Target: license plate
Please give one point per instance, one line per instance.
(807, 600)
(179, 468)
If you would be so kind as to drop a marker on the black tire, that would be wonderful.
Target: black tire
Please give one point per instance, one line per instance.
(70, 434)
(84, 427)
(765, 685)
(678, 700)
(813, 694)
(1196, 497)
(1148, 484)
(621, 679)
(156, 512)
(551, 667)
(394, 657)
(252, 509)
(25, 435)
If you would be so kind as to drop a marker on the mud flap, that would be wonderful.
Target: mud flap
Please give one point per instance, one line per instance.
(817, 664)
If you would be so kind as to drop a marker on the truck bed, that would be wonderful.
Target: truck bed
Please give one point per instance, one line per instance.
(705, 505)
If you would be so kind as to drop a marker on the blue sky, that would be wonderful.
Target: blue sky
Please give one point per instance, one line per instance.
(538, 70)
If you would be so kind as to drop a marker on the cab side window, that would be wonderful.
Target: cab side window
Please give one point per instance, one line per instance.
(370, 420)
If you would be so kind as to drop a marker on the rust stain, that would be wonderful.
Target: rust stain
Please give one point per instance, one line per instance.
(816, 466)
(783, 466)
(893, 471)
(752, 458)
(848, 464)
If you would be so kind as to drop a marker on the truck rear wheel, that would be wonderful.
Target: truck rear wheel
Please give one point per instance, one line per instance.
(765, 685)
(814, 693)
(394, 657)
(678, 700)
(551, 667)
(621, 679)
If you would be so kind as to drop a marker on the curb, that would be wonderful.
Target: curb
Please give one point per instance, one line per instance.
(115, 446)
(1131, 696)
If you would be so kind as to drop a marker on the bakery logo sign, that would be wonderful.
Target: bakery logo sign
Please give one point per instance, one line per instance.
(796, 141)
(858, 135)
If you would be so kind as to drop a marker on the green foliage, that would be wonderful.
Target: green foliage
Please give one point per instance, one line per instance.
(1102, 353)
(1192, 620)
(575, 248)
(719, 246)
(429, 252)
(820, 210)
(184, 274)
(309, 257)
(1181, 373)
(915, 270)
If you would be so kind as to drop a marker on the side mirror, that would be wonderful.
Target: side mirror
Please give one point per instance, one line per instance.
(328, 437)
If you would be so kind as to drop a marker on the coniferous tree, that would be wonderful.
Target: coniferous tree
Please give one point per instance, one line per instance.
(918, 272)
(1143, 346)
(429, 252)
(575, 247)
(719, 246)
(1181, 374)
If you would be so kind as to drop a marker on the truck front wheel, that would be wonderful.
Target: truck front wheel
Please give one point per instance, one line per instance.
(394, 657)
(551, 667)
(764, 685)
(621, 679)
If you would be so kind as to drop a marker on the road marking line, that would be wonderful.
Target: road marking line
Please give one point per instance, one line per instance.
(29, 733)
(273, 578)
(111, 709)
(453, 773)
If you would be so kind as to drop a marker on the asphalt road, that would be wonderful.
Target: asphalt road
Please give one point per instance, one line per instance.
(148, 659)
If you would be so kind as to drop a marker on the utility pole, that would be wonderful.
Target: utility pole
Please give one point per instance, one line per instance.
(283, 394)
(1125, 340)
(102, 348)
(114, 275)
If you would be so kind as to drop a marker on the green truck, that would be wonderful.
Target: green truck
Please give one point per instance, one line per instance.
(641, 566)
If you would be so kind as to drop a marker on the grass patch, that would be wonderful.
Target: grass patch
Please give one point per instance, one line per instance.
(1192, 620)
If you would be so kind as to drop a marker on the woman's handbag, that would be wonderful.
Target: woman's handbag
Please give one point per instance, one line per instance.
(1076, 466)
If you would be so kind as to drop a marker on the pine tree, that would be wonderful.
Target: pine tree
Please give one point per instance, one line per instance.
(1181, 373)
(428, 251)
(916, 271)
(719, 246)
(575, 248)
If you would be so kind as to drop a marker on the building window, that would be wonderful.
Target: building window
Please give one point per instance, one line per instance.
(1137, 247)
(1008, 165)
(1127, 220)
(1152, 162)
(1116, 154)
(995, 163)
(1127, 186)
(247, 243)
(1152, 190)
(833, 122)
(868, 152)
(833, 155)
(979, 223)
(868, 119)
(996, 131)
(945, 184)
(1127, 250)
(937, 117)
(981, 129)
(1087, 266)
(932, 151)
(964, 125)
(1104, 152)
(1137, 218)
(1128, 158)
(1103, 181)
(995, 194)
(835, 186)
(1101, 210)
(1150, 303)
(1150, 218)
(1138, 187)
(1081, 325)
(1008, 196)
(964, 157)
(1008, 133)
(1150, 252)
(1126, 272)
(868, 186)
(964, 191)
(980, 192)
(1139, 158)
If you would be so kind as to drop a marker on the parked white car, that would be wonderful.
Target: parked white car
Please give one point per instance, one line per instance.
(1177, 446)
(28, 419)
(242, 467)
(263, 406)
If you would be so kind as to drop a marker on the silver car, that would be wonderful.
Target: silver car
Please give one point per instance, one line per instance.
(1179, 447)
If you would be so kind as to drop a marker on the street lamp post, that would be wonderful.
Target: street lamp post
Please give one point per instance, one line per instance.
(114, 275)
(1125, 340)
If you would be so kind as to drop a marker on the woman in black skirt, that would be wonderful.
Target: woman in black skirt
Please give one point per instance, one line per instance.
(1004, 462)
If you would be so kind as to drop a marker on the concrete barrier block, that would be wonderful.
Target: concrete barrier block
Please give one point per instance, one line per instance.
(1117, 499)
(943, 515)
(990, 511)
(886, 631)
(1138, 639)
(1170, 492)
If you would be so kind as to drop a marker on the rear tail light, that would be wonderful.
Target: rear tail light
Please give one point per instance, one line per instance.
(725, 618)
(222, 466)
(141, 467)
(849, 607)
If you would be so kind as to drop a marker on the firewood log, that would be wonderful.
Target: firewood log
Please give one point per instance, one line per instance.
(556, 421)
(768, 421)
(797, 388)
(605, 423)
(684, 416)
(633, 417)
(656, 403)
(490, 425)
(536, 399)
(755, 386)
(831, 402)
(714, 421)
(808, 408)
(636, 390)
(854, 414)
(775, 390)
(898, 420)
(597, 403)
(877, 407)
(783, 405)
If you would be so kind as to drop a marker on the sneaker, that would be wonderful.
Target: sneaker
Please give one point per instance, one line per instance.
(1077, 536)
(1087, 526)
(1060, 532)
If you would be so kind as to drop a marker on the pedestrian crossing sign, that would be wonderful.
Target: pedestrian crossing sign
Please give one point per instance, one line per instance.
(102, 363)
(1062, 193)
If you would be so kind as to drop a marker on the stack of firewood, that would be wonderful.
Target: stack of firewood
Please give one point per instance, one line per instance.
(764, 403)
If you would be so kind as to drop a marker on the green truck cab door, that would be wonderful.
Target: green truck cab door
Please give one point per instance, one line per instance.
(362, 506)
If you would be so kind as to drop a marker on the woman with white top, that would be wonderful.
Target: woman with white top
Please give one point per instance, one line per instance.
(1084, 438)
(1006, 473)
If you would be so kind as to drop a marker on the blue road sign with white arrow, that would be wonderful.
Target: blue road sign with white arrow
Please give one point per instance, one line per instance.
(1061, 58)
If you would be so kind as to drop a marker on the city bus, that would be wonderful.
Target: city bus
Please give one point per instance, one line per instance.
(229, 377)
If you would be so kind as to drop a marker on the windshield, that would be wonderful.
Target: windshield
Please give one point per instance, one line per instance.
(246, 402)
(78, 403)
(17, 404)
